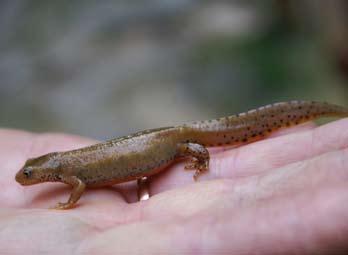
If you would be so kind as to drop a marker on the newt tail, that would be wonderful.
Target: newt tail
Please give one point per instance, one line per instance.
(149, 152)
(258, 123)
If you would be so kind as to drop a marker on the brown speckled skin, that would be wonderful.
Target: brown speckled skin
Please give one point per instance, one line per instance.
(149, 152)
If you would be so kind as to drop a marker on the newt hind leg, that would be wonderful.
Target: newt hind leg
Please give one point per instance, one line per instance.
(199, 154)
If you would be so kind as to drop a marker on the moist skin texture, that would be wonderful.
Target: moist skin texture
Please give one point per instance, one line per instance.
(148, 152)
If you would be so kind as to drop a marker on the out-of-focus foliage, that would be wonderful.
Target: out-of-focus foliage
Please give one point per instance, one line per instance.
(107, 68)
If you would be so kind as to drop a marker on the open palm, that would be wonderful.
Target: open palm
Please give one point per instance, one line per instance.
(284, 195)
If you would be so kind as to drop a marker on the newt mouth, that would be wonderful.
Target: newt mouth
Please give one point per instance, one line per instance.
(19, 178)
(23, 179)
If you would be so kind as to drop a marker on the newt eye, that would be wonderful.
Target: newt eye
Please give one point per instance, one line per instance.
(27, 172)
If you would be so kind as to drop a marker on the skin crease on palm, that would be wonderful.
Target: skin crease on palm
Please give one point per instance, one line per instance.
(287, 194)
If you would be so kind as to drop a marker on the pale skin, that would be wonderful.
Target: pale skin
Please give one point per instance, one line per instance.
(283, 195)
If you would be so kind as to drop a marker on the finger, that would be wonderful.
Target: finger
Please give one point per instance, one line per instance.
(255, 158)
(324, 171)
(302, 224)
(41, 232)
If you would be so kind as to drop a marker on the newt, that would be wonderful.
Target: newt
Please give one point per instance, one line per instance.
(149, 152)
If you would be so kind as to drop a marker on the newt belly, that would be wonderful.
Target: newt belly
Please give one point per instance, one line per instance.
(146, 153)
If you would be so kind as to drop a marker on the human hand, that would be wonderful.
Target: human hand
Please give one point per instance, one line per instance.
(283, 195)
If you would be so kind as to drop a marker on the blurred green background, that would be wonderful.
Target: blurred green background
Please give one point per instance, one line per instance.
(107, 68)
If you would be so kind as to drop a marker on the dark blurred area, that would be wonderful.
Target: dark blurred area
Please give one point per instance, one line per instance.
(108, 68)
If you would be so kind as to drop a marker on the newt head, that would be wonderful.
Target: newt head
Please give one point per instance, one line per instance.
(41, 169)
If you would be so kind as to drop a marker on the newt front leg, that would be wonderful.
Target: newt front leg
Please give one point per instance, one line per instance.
(78, 188)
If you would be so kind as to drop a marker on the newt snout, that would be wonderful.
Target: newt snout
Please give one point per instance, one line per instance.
(25, 176)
